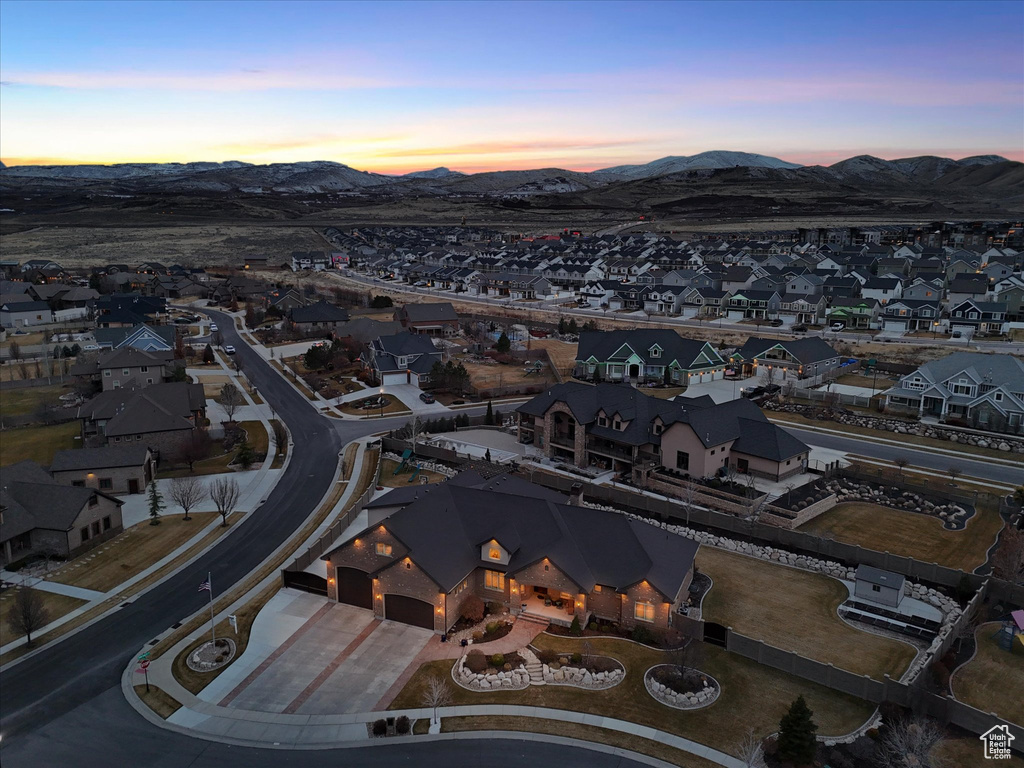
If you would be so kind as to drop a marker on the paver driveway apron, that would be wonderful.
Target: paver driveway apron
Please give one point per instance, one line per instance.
(308, 655)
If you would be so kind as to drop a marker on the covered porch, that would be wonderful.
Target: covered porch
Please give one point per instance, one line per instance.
(549, 604)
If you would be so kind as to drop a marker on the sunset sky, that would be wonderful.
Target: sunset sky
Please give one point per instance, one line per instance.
(396, 87)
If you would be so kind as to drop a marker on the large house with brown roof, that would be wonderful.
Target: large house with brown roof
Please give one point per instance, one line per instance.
(435, 319)
(617, 427)
(162, 416)
(40, 516)
(505, 540)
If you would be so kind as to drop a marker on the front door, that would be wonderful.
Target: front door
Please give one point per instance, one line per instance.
(133, 485)
(742, 465)
(634, 371)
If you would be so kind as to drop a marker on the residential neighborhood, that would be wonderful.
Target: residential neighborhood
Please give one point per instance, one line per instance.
(631, 469)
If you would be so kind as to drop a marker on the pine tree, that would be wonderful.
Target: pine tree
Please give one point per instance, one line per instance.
(156, 503)
(487, 456)
(208, 355)
(489, 416)
(246, 455)
(797, 731)
(504, 344)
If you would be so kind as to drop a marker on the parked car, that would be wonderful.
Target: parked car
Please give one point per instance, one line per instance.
(91, 348)
(837, 326)
(229, 349)
(213, 327)
(801, 328)
(426, 397)
(775, 322)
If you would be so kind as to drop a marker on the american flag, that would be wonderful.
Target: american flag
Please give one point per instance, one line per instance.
(205, 586)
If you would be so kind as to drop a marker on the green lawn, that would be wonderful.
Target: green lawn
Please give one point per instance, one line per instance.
(910, 534)
(38, 443)
(257, 436)
(993, 681)
(24, 402)
(753, 696)
(794, 610)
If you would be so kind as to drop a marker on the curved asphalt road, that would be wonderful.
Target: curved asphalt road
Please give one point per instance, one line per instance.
(919, 459)
(64, 706)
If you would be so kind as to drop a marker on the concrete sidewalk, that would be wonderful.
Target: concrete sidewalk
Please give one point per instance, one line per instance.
(53, 587)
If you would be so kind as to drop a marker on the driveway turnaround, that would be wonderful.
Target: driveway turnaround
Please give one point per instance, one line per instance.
(307, 655)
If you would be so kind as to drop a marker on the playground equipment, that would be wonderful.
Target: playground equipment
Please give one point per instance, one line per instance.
(534, 369)
(414, 474)
(406, 454)
(1011, 631)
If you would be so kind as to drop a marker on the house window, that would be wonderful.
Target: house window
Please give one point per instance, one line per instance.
(96, 528)
(658, 428)
(93, 501)
(494, 580)
(644, 611)
(383, 549)
(125, 372)
(85, 533)
(145, 369)
(875, 588)
(655, 352)
(106, 483)
(712, 451)
(682, 460)
(494, 554)
(998, 397)
(78, 483)
(602, 421)
(617, 425)
(106, 372)
(597, 587)
(106, 523)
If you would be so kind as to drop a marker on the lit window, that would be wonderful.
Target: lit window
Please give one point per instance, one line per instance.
(494, 580)
(495, 553)
(383, 549)
(644, 611)
(597, 587)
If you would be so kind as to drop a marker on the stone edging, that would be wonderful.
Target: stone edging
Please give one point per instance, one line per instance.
(192, 660)
(516, 680)
(429, 466)
(670, 698)
(576, 677)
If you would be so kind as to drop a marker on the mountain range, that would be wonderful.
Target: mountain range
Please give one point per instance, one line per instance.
(669, 184)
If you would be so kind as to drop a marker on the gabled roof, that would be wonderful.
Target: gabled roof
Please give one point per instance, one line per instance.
(438, 312)
(32, 499)
(129, 357)
(602, 345)
(805, 351)
(320, 312)
(444, 528)
(99, 458)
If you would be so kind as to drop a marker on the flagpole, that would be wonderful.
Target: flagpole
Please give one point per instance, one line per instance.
(213, 636)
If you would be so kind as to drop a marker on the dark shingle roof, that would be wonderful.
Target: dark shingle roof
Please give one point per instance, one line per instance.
(810, 349)
(430, 313)
(445, 529)
(321, 312)
(602, 345)
(99, 458)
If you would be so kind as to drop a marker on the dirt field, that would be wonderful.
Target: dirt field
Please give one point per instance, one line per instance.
(488, 375)
(562, 354)
(186, 245)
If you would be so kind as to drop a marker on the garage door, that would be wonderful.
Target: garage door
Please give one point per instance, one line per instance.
(895, 325)
(355, 587)
(394, 378)
(409, 610)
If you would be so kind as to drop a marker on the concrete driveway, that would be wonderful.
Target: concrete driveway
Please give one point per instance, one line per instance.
(308, 655)
(721, 391)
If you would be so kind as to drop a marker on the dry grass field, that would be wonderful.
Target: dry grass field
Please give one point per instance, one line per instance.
(489, 375)
(910, 534)
(794, 610)
(753, 696)
(56, 606)
(993, 681)
(134, 550)
(38, 443)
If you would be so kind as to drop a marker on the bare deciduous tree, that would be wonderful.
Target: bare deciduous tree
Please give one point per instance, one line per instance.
(195, 448)
(901, 463)
(768, 373)
(29, 613)
(750, 751)
(954, 473)
(230, 400)
(187, 492)
(910, 744)
(689, 498)
(224, 493)
(280, 435)
(1008, 561)
(437, 694)
(690, 655)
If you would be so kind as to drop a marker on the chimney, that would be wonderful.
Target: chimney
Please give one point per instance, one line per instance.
(576, 494)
